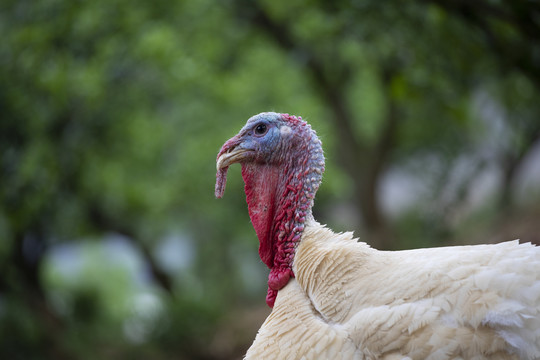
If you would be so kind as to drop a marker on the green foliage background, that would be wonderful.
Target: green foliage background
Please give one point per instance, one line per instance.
(112, 113)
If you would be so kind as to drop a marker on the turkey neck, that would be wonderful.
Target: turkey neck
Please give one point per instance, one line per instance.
(280, 198)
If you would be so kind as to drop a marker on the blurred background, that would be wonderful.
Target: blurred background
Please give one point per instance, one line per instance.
(112, 245)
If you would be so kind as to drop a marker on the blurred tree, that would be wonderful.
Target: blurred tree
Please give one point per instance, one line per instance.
(113, 112)
(420, 58)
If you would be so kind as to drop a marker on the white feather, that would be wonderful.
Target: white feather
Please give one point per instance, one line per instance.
(349, 301)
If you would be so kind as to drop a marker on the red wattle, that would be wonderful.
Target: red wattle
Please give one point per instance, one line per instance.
(271, 297)
(260, 195)
(279, 191)
(278, 278)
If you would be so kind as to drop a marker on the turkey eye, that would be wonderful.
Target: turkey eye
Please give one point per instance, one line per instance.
(260, 129)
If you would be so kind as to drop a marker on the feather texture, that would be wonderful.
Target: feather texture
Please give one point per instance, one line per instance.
(349, 301)
(336, 298)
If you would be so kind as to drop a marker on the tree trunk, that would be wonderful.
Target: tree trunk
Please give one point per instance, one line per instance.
(363, 163)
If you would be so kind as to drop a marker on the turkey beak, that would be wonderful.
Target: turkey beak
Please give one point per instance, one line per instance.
(231, 152)
(233, 156)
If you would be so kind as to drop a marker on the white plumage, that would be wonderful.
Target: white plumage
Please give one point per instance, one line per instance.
(349, 301)
(336, 298)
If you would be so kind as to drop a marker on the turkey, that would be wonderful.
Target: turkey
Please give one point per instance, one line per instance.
(334, 297)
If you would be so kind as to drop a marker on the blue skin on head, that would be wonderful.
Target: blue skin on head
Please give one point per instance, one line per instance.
(262, 134)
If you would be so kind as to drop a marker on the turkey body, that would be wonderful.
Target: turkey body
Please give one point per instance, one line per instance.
(349, 301)
(336, 298)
